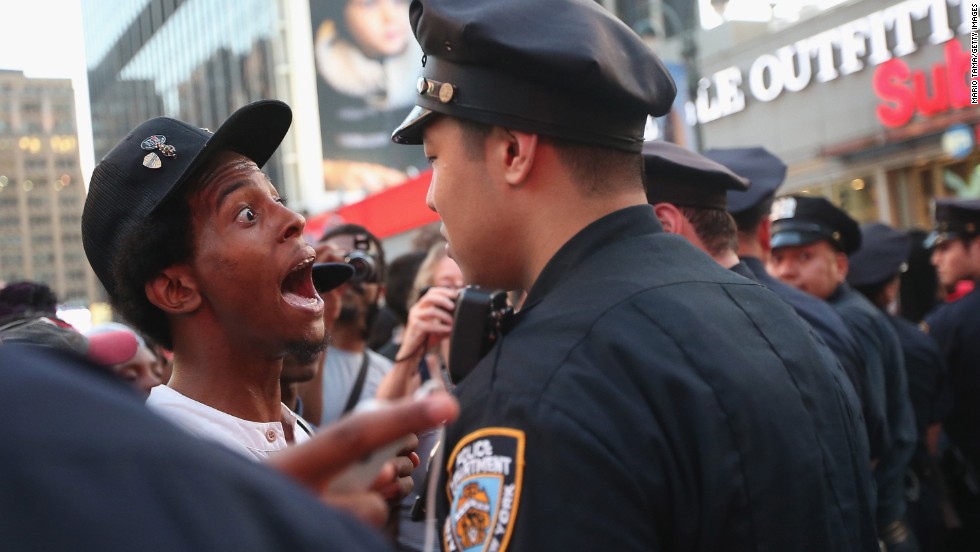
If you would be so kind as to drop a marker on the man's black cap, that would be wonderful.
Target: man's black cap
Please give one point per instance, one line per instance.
(883, 255)
(801, 220)
(763, 169)
(677, 175)
(155, 161)
(327, 276)
(955, 218)
(562, 68)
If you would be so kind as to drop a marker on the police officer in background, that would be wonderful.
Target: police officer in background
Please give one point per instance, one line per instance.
(642, 399)
(811, 239)
(874, 271)
(688, 194)
(955, 244)
(750, 210)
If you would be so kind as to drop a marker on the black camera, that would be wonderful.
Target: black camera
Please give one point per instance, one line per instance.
(480, 318)
(367, 269)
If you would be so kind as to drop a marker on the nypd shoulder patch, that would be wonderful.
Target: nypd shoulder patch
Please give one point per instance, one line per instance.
(485, 471)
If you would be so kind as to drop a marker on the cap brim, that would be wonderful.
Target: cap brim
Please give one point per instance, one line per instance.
(936, 238)
(790, 238)
(327, 276)
(410, 131)
(255, 131)
(111, 347)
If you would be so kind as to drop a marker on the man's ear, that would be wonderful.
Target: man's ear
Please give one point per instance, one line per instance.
(669, 216)
(518, 157)
(174, 291)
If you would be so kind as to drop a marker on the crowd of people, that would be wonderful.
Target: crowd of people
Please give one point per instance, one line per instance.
(691, 360)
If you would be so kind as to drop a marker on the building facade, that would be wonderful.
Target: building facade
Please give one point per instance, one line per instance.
(869, 103)
(41, 188)
(199, 61)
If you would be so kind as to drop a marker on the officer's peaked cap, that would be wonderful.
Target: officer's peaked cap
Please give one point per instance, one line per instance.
(764, 170)
(801, 220)
(566, 69)
(884, 254)
(677, 175)
(955, 218)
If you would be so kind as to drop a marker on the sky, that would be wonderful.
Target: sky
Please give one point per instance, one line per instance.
(43, 38)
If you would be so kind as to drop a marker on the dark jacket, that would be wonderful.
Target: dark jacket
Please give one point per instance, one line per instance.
(956, 327)
(648, 399)
(830, 327)
(881, 345)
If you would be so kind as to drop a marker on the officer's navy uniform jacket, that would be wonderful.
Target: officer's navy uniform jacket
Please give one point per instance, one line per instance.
(648, 399)
(828, 324)
(878, 339)
(956, 326)
(929, 389)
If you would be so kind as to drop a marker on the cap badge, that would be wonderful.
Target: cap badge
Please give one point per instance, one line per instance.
(783, 208)
(156, 142)
(444, 91)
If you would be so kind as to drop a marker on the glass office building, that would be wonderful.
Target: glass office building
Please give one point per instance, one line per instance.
(195, 60)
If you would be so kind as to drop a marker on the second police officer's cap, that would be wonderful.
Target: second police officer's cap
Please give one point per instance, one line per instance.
(955, 218)
(802, 220)
(677, 175)
(566, 69)
(883, 255)
(764, 170)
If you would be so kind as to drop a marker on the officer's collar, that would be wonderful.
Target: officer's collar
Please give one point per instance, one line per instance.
(624, 223)
(838, 293)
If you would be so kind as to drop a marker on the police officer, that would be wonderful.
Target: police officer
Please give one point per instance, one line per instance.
(955, 244)
(611, 415)
(750, 210)
(874, 271)
(811, 239)
(689, 193)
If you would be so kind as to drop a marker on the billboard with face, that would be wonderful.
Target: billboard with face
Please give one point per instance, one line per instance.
(367, 62)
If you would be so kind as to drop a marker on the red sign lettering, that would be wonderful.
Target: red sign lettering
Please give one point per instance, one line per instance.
(904, 92)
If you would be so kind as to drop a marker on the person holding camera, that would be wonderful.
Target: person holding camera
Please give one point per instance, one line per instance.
(351, 370)
(642, 398)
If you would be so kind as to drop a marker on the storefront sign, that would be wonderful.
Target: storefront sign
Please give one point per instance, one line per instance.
(871, 40)
(904, 92)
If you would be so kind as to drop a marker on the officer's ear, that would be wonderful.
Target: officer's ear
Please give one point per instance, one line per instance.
(764, 233)
(520, 149)
(670, 217)
(842, 266)
(174, 290)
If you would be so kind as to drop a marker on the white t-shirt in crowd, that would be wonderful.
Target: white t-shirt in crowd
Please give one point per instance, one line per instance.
(257, 440)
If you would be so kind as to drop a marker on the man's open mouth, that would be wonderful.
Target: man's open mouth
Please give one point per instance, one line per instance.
(297, 287)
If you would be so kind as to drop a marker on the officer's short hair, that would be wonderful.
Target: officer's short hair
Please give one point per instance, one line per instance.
(599, 170)
(715, 228)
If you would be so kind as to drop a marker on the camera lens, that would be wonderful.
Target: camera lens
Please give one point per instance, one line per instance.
(365, 268)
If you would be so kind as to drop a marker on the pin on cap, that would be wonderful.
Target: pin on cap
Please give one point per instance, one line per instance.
(156, 142)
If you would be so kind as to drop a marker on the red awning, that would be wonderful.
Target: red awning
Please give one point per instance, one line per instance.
(386, 213)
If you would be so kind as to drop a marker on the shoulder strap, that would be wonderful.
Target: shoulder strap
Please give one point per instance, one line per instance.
(355, 392)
